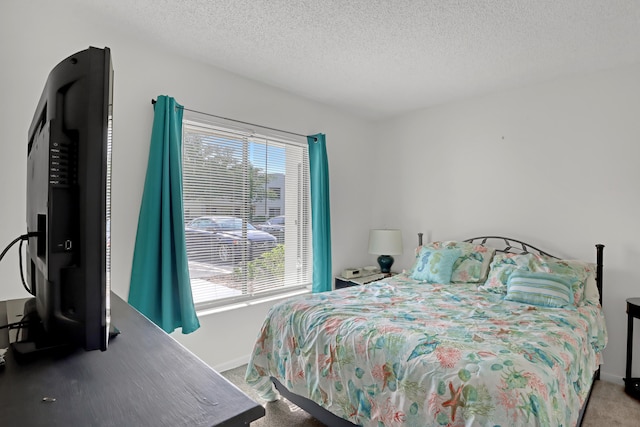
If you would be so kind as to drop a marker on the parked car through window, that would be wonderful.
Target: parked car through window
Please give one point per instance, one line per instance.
(225, 239)
(274, 226)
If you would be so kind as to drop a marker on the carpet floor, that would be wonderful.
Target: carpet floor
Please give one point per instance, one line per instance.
(609, 406)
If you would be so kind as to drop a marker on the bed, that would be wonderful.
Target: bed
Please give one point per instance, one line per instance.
(486, 331)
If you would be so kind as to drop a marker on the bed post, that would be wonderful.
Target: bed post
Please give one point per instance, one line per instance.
(599, 251)
(419, 239)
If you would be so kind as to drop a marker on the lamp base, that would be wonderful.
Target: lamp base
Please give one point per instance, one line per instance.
(385, 262)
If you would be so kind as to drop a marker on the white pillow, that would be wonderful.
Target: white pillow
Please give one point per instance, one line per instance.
(591, 292)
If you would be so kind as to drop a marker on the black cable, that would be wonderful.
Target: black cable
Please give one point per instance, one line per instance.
(16, 240)
(25, 322)
(21, 325)
(24, 282)
(16, 325)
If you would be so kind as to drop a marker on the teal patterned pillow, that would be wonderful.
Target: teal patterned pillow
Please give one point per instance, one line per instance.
(435, 265)
(471, 267)
(540, 288)
(504, 264)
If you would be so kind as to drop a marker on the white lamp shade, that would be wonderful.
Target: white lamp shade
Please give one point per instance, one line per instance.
(385, 242)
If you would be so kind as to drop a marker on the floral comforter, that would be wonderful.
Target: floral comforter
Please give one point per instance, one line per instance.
(401, 353)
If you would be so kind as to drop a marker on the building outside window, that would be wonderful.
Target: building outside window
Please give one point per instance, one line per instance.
(274, 212)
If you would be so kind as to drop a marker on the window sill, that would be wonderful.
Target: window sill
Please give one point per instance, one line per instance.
(233, 306)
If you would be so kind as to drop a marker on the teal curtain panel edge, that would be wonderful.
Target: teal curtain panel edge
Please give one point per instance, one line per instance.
(160, 285)
(320, 213)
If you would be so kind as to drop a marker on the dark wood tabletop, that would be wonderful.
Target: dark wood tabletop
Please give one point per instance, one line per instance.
(145, 378)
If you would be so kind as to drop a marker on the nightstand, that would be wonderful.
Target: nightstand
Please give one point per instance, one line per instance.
(631, 385)
(341, 282)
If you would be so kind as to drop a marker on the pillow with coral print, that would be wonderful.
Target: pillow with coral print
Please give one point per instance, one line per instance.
(504, 264)
(435, 265)
(581, 271)
(471, 267)
(473, 264)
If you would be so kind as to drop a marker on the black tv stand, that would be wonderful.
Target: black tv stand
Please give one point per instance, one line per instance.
(145, 378)
(30, 341)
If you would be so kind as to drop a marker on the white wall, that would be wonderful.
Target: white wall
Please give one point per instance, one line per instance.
(554, 164)
(36, 35)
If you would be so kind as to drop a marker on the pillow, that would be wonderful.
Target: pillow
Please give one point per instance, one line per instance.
(473, 264)
(591, 292)
(504, 264)
(471, 267)
(539, 288)
(435, 265)
(580, 270)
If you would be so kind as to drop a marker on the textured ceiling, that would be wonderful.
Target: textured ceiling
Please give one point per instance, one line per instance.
(384, 58)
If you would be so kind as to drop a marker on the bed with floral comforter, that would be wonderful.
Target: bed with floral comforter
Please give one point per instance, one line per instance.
(402, 352)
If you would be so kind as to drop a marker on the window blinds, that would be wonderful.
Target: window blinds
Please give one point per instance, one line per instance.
(238, 188)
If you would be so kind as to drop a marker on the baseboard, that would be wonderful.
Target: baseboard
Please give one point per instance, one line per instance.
(232, 364)
(611, 378)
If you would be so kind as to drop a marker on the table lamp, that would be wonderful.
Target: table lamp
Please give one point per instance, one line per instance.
(385, 243)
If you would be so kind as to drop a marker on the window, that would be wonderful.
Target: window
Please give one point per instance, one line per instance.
(233, 182)
(275, 192)
(274, 212)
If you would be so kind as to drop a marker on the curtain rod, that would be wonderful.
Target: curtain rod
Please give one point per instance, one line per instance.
(153, 101)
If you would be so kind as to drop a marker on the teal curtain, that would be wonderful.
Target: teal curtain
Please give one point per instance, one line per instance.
(160, 287)
(320, 213)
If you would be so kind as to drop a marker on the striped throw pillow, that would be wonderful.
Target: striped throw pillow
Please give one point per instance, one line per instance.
(540, 288)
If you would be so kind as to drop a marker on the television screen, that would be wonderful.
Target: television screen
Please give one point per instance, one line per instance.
(68, 206)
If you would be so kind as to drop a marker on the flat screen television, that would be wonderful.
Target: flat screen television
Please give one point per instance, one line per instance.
(68, 207)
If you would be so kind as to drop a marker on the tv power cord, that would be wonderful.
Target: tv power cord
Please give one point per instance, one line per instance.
(20, 239)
